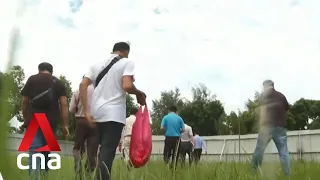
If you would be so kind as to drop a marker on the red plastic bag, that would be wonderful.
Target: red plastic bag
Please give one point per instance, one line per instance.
(141, 139)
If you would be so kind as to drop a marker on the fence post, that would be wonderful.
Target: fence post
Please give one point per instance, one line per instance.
(222, 150)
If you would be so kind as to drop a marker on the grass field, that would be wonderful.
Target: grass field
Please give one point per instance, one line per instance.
(156, 170)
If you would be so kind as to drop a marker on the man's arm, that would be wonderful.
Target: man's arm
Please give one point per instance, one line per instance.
(83, 89)
(164, 123)
(63, 105)
(259, 105)
(26, 96)
(64, 110)
(182, 125)
(203, 145)
(262, 109)
(120, 145)
(122, 134)
(84, 93)
(73, 103)
(128, 79)
(24, 107)
(191, 135)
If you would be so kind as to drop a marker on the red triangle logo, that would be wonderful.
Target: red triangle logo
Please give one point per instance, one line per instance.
(39, 120)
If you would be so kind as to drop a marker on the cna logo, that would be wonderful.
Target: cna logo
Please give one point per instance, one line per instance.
(39, 120)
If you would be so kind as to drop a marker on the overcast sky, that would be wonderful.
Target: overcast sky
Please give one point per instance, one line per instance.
(231, 46)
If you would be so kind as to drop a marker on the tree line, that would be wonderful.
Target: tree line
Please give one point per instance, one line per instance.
(204, 111)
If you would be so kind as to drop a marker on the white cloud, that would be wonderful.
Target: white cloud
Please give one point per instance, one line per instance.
(231, 46)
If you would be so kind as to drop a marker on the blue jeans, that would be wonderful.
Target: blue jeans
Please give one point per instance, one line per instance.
(38, 142)
(279, 136)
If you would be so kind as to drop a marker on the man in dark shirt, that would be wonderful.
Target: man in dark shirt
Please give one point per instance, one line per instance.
(35, 85)
(273, 111)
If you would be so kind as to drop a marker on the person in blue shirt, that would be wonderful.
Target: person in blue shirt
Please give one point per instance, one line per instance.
(173, 125)
(199, 145)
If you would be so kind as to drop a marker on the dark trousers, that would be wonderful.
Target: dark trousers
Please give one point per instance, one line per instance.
(109, 135)
(84, 132)
(197, 155)
(185, 148)
(171, 149)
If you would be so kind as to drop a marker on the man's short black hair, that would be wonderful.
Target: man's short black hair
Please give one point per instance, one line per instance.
(133, 111)
(195, 131)
(173, 108)
(45, 67)
(268, 83)
(121, 46)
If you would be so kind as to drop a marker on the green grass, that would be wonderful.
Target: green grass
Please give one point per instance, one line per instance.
(156, 170)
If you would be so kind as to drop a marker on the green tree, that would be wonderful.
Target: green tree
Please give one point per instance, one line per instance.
(130, 104)
(314, 108)
(247, 119)
(315, 124)
(300, 112)
(203, 112)
(291, 122)
(17, 74)
(248, 122)
(222, 126)
(314, 115)
(232, 121)
(13, 79)
(250, 117)
(6, 81)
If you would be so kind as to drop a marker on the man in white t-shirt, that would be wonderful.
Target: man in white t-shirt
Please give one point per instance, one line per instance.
(112, 78)
(186, 145)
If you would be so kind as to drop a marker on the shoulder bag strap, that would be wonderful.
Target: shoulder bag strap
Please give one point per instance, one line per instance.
(106, 69)
(44, 92)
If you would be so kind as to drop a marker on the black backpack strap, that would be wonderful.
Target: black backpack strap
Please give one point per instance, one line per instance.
(106, 69)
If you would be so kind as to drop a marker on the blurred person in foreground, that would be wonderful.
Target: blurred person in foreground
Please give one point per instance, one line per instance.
(273, 111)
(199, 146)
(112, 79)
(44, 93)
(84, 133)
(173, 125)
(124, 145)
(186, 145)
